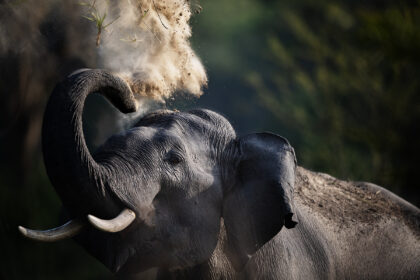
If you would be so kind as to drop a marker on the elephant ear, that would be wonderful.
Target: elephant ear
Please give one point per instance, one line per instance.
(260, 201)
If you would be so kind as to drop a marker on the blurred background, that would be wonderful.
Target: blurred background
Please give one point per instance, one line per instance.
(339, 79)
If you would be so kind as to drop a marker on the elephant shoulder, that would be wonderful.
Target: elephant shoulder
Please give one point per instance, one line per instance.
(350, 204)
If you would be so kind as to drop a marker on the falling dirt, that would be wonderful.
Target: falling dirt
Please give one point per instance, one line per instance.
(146, 42)
(349, 203)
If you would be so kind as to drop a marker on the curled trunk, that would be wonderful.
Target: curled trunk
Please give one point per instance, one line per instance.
(78, 179)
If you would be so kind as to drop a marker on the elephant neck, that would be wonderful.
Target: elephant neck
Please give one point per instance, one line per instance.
(218, 265)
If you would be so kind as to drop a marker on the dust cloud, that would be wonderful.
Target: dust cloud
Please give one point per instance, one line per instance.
(146, 42)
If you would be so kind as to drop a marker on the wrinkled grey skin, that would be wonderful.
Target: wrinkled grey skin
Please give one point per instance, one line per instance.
(211, 205)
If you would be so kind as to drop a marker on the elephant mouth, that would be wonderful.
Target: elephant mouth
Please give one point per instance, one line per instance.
(75, 226)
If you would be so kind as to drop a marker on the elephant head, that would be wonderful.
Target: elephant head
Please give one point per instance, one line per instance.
(156, 194)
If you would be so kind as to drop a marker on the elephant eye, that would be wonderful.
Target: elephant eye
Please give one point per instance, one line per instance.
(174, 157)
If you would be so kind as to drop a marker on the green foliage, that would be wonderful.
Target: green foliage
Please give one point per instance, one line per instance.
(98, 18)
(224, 26)
(343, 86)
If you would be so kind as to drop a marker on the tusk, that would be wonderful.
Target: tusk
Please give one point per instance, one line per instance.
(123, 220)
(68, 230)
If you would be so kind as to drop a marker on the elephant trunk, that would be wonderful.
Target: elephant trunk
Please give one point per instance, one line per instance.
(78, 179)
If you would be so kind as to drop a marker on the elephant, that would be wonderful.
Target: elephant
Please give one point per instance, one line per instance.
(180, 196)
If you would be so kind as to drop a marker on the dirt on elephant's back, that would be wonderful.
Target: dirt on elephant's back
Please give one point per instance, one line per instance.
(352, 203)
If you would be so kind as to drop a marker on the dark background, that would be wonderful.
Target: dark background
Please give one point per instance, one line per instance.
(339, 79)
